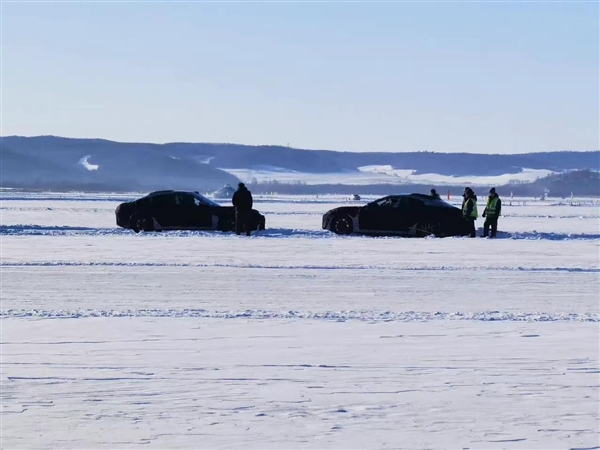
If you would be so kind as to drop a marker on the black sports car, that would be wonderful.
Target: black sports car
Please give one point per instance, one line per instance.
(410, 215)
(179, 210)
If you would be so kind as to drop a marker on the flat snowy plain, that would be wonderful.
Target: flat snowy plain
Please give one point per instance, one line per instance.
(296, 338)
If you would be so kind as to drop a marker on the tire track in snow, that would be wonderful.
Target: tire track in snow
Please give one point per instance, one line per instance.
(43, 230)
(336, 316)
(299, 267)
(279, 233)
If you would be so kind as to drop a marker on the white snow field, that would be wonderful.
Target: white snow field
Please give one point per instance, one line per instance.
(296, 338)
(367, 175)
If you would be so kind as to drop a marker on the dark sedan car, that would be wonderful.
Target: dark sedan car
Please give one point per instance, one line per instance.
(179, 210)
(410, 215)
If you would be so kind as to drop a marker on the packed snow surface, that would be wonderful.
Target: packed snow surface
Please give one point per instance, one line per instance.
(295, 337)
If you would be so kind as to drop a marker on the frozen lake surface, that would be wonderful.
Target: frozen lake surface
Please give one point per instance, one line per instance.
(296, 338)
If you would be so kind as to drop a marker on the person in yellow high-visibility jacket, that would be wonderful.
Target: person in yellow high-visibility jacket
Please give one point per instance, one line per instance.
(491, 213)
(469, 209)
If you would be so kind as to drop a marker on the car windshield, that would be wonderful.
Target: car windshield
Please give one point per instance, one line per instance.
(204, 201)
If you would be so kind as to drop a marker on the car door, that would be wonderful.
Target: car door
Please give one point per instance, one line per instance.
(165, 210)
(379, 216)
(194, 213)
(408, 216)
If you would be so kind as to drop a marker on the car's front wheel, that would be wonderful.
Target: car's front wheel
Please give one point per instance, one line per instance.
(342, 225)
(142, 223)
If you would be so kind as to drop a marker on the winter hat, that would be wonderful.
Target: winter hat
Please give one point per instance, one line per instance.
(492, 190)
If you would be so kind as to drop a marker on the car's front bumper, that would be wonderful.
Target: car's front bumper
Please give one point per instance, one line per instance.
(326, 221)
(119, 217)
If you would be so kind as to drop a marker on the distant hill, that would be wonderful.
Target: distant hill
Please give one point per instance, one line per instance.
(579, 182)
(55, 162)
(60, 163)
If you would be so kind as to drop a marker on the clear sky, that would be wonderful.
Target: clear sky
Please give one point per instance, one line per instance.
(503, 77)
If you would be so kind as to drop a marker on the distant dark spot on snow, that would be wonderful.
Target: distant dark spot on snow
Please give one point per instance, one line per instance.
(530, 335)
(325, 366)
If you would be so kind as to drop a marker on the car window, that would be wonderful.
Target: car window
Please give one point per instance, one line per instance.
(409, 203)
(202, 200)
(185, 200)
(163, 201)
(387, 202)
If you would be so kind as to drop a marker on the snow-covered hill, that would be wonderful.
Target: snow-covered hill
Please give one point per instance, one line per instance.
(51, 162)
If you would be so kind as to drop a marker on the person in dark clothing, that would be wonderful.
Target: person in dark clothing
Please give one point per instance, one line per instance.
(434, 194)
(491, 213)
(469, 209)
(242, 201)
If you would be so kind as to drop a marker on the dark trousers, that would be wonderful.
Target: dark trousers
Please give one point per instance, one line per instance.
(471, 227)
(242, 221)
(490, 222)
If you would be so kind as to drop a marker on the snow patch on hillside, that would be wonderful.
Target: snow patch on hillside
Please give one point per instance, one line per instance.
(409, 176)
(86, 164)
(382, 174)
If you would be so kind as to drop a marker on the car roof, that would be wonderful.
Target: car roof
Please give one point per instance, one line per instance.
(193, 193)
(155, 193)
(429, 200)
(171, 191)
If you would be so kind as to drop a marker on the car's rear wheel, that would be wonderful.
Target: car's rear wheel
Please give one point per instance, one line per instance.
(261, 224)
(229, 225)
(428, 229)
(342, 225)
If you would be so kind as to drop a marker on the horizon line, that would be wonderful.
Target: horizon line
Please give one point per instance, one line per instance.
(287, 146)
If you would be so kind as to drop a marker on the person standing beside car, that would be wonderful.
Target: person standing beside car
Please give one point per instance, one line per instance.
(491, 213)
(242, 201)
(469, 209)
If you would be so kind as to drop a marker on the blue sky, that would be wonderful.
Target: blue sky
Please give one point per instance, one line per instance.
(447, 76)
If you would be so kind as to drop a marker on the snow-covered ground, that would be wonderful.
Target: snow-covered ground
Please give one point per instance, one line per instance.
(367, 175)
(296, 338)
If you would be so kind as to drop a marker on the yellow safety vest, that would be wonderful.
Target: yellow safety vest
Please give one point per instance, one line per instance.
(491, 207)
(474, 214)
